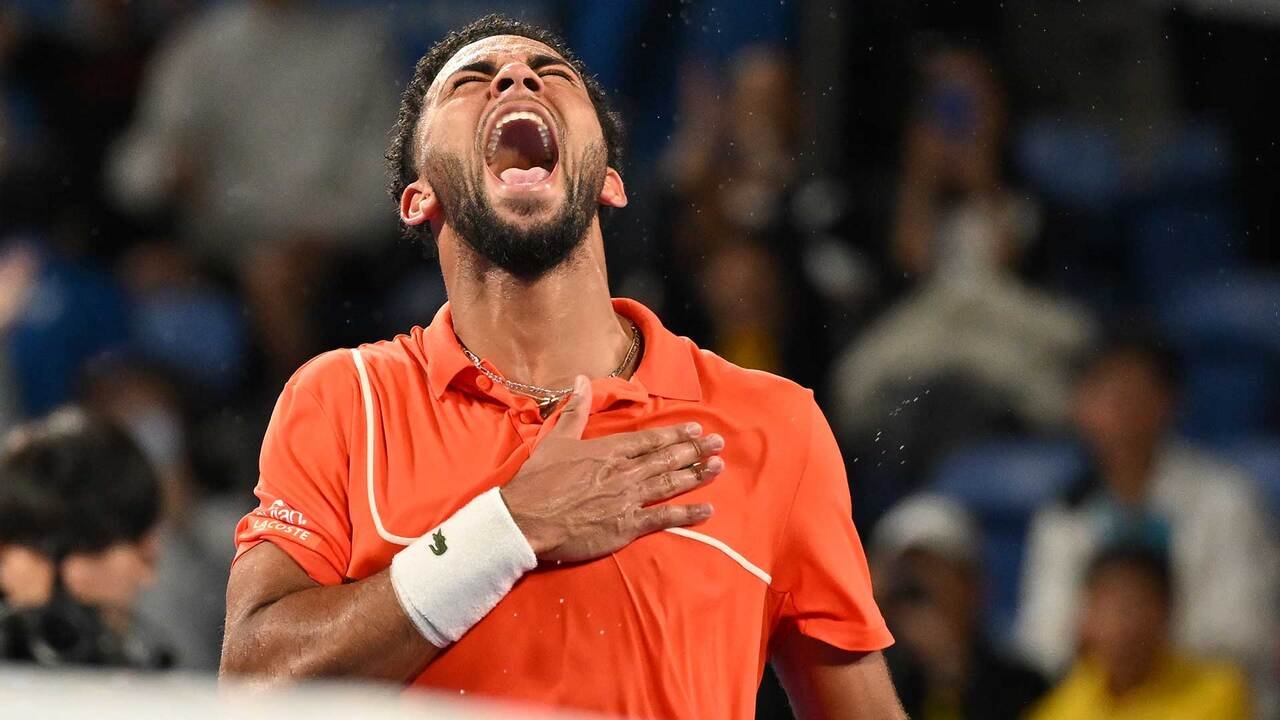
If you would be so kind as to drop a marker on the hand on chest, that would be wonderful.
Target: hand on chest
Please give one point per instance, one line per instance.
(417, 485)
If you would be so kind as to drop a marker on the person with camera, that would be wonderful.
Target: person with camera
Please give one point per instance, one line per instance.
(79, 508)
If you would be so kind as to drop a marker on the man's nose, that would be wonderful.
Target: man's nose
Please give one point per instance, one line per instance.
(512, 78)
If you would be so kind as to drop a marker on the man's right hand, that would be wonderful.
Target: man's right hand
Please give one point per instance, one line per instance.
(578, 499)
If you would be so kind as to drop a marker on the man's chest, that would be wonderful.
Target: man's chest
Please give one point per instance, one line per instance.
(411, 471)
(679, 604)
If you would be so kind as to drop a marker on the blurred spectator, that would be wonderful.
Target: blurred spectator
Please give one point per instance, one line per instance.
(731, 262)
(187, 600)
(1128, 666)
(1001, 348)
(79, 506)
(735, 152)
(69, 312)
(69, 72)
(740, 291)
(262, 125)
(1150, 485)
(928, 567)
(181, 321)
(17, 275)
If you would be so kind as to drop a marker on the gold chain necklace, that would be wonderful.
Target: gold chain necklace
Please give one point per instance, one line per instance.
(548, 398)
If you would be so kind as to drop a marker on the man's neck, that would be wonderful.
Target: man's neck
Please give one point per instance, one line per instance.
(542, 332)
(1129, 471)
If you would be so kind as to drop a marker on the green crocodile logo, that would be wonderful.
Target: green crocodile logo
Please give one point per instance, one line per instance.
(439, 546)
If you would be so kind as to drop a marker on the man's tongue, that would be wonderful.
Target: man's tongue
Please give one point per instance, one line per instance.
(516, 176)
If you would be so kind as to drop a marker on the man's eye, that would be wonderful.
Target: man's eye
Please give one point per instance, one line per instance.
(464, 80)
(561, 73)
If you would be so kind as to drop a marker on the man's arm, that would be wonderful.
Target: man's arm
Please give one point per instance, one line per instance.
(572, 500)
(826, 598)
(823, 681)
(282, 625)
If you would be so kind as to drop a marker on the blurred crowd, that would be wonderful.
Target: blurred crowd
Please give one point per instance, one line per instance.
(1023, 251)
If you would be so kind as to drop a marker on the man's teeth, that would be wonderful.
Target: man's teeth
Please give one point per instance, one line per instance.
(543, 131)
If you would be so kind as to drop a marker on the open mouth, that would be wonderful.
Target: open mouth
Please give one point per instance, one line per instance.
(522, 149)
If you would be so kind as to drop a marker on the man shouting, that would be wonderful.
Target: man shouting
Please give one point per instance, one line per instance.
(545, 496)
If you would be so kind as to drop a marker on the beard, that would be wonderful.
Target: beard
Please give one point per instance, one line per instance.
(530, 251)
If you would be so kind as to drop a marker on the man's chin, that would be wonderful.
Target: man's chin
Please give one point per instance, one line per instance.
(525, 209)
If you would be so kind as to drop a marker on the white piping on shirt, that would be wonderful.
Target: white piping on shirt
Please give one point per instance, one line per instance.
(367, 395)
(722, 547)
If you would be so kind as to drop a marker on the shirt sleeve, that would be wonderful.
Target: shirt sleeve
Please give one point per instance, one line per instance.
(821, 569)
(302, 482)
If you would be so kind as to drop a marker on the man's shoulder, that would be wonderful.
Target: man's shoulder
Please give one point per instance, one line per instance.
(347, 369)
(755, 397)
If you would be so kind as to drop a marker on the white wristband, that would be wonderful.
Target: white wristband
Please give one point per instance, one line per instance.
(449, 579)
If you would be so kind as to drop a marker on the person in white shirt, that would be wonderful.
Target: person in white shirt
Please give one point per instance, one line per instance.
(1150, 486)
(261, 126)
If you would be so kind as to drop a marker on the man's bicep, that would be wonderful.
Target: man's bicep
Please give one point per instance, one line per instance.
(823, 681)
(262, 575)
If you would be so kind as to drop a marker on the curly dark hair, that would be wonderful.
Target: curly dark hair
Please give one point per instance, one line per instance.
(402, 156)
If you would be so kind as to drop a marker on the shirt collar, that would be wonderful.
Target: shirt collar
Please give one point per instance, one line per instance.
(666, 368)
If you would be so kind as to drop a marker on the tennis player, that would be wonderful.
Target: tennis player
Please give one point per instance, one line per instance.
(544, 495)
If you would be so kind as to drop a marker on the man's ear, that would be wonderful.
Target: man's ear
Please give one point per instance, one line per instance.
(418, 203)
(613, 194)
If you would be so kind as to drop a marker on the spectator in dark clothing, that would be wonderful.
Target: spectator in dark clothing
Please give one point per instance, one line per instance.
(79, 509)
(926, 555)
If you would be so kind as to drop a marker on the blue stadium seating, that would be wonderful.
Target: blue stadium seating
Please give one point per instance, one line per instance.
(1003, 482)
(1182, 224)
(1227, 329)
(1009, 477)
(1178, 237)
(1073, 164)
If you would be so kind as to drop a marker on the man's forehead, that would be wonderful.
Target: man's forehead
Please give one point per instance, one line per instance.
(498, 49)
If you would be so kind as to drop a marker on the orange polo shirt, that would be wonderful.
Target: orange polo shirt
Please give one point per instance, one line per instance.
(369, 449)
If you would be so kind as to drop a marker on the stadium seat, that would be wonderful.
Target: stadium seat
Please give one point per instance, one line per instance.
(1175, 238)
(1260, 457)
(1228, 333)
(1009, 477)
(1072, 164)
(1182, 224)
(1003, 483)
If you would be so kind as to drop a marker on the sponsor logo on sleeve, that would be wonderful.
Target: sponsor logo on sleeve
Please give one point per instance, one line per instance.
(282, 512)
(278, 517)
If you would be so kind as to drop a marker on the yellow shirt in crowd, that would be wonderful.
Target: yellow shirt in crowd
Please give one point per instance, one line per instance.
(1180, 689)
